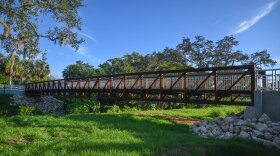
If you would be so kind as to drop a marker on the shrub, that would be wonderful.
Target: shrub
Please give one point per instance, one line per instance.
(27, 110)
(113, 109)
(129, 109)
(217, 113)
(5, 108)
(80, 110)
(81, 105)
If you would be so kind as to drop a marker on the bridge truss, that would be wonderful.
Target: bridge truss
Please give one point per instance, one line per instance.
(233, 85)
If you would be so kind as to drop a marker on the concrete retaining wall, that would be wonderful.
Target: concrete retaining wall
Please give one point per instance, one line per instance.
(267, 102)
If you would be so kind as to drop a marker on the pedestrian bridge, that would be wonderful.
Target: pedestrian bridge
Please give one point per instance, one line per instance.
(232, 85)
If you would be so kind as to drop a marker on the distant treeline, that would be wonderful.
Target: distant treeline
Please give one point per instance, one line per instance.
(14, 70)
(187, 54)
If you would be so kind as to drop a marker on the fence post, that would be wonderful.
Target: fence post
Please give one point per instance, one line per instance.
(216, 83)
(253, 82)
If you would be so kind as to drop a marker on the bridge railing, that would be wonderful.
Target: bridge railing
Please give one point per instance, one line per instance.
(217, 85)
(268, 79)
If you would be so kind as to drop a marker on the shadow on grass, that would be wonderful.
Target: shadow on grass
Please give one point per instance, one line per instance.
(125, 134)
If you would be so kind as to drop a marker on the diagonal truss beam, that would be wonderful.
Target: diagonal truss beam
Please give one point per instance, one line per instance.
(243, 75)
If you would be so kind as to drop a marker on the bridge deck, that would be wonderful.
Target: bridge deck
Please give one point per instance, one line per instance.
(220, 85)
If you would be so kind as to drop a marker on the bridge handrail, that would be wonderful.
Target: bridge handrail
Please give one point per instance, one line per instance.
(251, 67)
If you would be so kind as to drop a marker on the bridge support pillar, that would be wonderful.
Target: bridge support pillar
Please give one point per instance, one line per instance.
(267, 102)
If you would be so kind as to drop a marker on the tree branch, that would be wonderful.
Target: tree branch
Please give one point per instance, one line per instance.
(6, 31)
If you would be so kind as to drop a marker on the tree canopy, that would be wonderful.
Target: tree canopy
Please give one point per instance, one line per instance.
(78, 70)
(22, 22)
(187, 54)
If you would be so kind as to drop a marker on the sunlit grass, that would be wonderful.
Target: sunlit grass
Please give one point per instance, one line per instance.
(207, 113)
(112, 134)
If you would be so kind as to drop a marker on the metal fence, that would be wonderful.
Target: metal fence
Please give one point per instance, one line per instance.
(268, 80)
(12, 89)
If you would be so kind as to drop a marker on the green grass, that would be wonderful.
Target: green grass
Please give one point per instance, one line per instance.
(207, 113)
(119, 134)
(112, 134)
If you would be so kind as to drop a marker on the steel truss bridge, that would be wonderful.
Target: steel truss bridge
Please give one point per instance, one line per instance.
(232, 85)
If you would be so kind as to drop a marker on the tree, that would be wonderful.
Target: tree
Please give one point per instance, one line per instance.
(9, 66)
(126, 64)
(239, 57)
(21, 19)
(204, 53)
(224, 54)
(261, 59)
(198, 52)
(79, 70)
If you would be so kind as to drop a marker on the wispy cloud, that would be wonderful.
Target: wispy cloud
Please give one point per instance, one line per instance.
(249, 23)
(83, 51)
(87, 36)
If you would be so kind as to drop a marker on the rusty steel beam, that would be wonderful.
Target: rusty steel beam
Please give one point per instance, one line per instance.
(187, 91)
(242, 76)
(203, 81)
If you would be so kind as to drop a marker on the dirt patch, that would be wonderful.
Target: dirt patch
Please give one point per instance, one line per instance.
(188, 121)
(20, 140)
(174, 150)
(183, 150)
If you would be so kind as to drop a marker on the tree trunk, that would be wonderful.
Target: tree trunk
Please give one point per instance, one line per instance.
(11, 67)
(10, 80)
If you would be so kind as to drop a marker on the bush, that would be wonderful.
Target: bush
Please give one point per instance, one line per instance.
(5, 108)
(27, 111)
(81, 105)
(113, 109)
(129, 109)
(80, 110)
(217, 113)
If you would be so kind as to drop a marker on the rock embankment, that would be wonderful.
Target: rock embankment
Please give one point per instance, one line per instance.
(46, 104)
(261, 130)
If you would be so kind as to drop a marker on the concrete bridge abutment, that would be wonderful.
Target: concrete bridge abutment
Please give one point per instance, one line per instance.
(267, 102)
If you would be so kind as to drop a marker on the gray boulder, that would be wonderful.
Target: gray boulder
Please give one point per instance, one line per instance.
(261, 127)
(268, 136)
(244, 134)
(276, 140)
(264, 118)
(229, 119)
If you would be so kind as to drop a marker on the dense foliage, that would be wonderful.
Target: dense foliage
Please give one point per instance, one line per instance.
(21, 21)
(187, 54)
(7, 110)
(78, 70)
(24, 70)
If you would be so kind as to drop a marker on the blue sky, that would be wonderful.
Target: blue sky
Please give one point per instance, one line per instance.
(112, 28)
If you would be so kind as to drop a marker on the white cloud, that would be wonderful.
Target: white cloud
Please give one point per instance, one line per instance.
(249, 23)
(87, 36)
(83, 51)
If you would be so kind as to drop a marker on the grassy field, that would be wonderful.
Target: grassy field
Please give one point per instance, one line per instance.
(207, 113)
(134, 133)
(112, 134)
